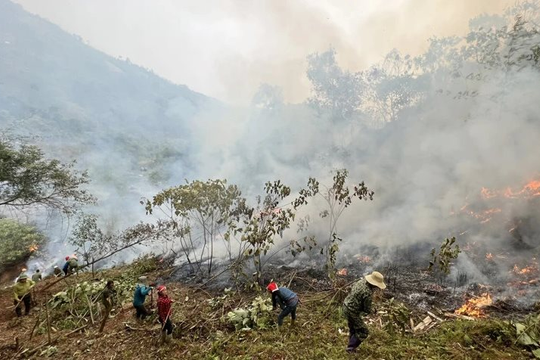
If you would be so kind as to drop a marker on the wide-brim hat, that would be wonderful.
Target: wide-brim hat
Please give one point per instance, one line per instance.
(23, 276)
(142, 278)
(376, 279)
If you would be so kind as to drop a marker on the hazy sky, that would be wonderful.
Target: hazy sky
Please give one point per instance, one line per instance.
(227, 48)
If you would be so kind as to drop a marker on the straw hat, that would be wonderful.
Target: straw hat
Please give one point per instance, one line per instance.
(377, 279)
(142, 278)
(23, 276)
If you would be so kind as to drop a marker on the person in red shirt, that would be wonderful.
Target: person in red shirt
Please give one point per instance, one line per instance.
(164, 305)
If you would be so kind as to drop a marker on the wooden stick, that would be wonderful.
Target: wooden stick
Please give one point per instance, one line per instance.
(90, 308)
(35, 326)
(48, 323)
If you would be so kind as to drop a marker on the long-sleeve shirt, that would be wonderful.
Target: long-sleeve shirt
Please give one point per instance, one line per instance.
(284, 297)
(164, 307)
(107, 297)
(141, 291)
(360, 298)
(22, 288)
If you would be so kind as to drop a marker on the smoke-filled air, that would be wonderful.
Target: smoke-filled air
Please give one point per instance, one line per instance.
(188, 168)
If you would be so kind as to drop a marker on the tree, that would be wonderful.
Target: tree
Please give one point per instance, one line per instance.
(17, 242)
(28, 179)
(334, 91)
(268, 219)
(338, 197)
(96, 245)
(198, 213)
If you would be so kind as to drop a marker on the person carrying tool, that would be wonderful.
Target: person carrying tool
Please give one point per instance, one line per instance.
(73, 264)
(107, 296)
(164, 306)
(141, 291)
(288, 301)
(36, 276)
(357, 304)
(21, 292)
(65, 269)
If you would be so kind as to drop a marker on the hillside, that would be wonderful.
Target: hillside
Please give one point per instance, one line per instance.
(203, 331)
(79, 103)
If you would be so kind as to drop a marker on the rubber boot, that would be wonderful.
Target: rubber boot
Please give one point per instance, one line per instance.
(293, 322)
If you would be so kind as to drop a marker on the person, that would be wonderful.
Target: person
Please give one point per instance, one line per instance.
(288, 301)
(358, 303)
(65, 269)
(164, 305)
(141, 291)
(107, 296)
(56, 271)
(36, 276)
(21, 292)
(73, 264)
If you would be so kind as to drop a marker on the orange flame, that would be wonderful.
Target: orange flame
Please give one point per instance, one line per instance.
(526, 270)
(33, 248)
(489, 256)
(531, 189)
(342, 272)
(474, 306)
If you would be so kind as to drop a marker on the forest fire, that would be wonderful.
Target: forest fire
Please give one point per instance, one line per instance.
(531, 189)
(526, 270)
(474, 306)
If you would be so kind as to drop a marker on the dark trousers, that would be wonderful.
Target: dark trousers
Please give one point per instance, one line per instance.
(27, 300)
(142, 313)
(358, 331)
(167, 327)
(108, 308)
(286, 311)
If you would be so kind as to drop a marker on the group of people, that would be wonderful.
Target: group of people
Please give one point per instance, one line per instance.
(142, 290)
(356, 305)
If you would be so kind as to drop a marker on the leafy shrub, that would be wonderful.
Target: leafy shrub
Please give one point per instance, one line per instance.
(17, 242)
(257, 316)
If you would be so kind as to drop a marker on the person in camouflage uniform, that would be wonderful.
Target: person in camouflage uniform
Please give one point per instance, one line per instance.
(107, 298)
(358, 304)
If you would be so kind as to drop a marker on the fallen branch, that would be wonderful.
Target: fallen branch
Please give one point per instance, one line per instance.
(464, 317)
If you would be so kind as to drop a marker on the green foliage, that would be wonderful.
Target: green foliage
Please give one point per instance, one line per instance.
(17, 242)
(448, 252)
(28, 179)
(197, 212)
(528, 333)
(257, 316)
(338, 197)
(396, 317)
